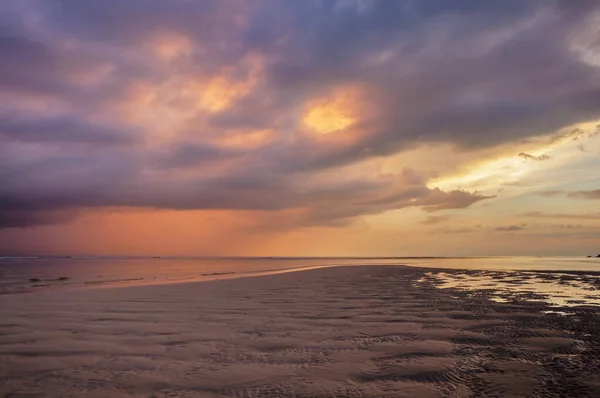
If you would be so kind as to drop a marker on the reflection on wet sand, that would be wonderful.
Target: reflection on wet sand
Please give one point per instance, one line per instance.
(559, 289)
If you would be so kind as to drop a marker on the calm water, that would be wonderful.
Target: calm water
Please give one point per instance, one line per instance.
(35, 274)
(556, 289)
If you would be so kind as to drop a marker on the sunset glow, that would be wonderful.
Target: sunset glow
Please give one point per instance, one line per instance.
(299, 128)
(331, 113)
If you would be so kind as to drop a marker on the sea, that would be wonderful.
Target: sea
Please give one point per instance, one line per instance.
(27, 274)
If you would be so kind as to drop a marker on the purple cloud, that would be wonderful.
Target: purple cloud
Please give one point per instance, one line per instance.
(188, 105)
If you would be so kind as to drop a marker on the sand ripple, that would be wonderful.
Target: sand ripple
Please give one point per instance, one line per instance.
(336, 332)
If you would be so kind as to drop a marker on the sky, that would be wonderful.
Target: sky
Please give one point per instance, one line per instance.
(300, 128)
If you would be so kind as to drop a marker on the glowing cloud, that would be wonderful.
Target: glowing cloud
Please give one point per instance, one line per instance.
(334, 112)
(548, 153)
(361, 117)
(246, 139)
(219, 92)
(164, 107)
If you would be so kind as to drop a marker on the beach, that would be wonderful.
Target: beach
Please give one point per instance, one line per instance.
(351, 331)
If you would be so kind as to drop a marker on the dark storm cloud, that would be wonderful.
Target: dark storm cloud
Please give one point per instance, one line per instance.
(30, 194)
(470, 73)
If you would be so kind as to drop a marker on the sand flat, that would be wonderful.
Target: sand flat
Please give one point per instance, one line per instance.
(332, 332)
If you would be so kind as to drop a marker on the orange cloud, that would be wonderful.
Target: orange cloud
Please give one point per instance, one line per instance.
(247, 139)
(168, 46)
(161, 108)
(334, 112)
(165, 106)
(220, 91)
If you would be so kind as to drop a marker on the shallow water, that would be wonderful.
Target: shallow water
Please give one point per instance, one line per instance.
(20, 275)
(26, 274)
(516, 263)
(557, 289)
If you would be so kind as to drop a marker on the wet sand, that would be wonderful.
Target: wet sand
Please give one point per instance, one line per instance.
(558, 288)
(333, 332)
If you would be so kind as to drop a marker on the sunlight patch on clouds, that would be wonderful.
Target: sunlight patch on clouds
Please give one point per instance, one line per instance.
(219, 92)
(250, 139)
(508, 171)
(166, 106)
(486, 176)
(334, 112)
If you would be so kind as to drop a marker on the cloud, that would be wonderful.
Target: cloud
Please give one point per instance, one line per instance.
(463, 230)
(236, 183)
(592, 236)
(191, 155)
(590, 195)
(586, 194)
(233, 105)
(576, 134)
(551, 194)
(434, 220)
(511, 228)
(568, 226)
(440, 200)
(577, 216)
(527, 156)
(64, 130)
